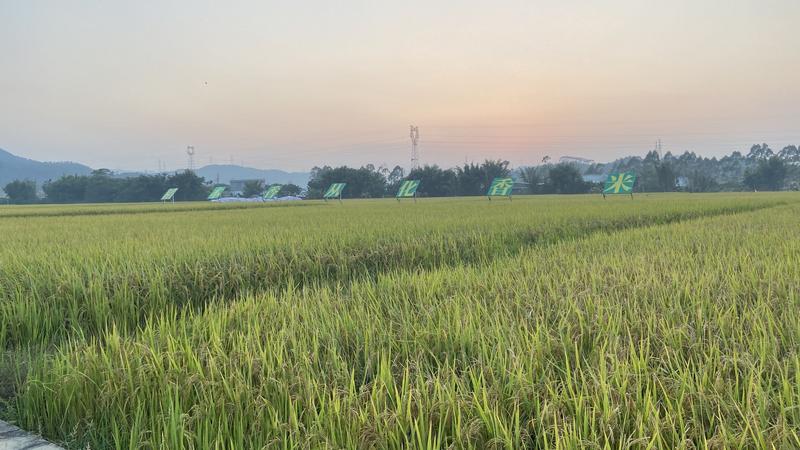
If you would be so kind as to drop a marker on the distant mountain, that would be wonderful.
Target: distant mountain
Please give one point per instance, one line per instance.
(14, 167)
(224, 173)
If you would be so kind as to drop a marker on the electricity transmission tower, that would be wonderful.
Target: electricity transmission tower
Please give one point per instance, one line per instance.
(190, 154)
(414, 134)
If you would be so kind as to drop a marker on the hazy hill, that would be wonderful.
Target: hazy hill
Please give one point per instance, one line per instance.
(14, 167)
(225, 173)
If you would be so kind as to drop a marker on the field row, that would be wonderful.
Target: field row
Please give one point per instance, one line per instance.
(84, 275)
(672, 336)
(104, 209)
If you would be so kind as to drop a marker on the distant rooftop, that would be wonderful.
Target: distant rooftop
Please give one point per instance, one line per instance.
(575, 159)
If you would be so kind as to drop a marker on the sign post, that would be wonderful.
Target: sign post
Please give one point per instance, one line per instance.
(272, 192)
(334, 191)
(408, 189)
(169, 195)
(216, 193)
(500, 187)
(619, 183)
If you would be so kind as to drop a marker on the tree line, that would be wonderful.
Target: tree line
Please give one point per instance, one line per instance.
(101, 186)
(371, 182)
(760, 169)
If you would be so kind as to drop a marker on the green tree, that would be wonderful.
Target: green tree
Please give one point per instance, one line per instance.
(700, 181)
(434, 181)
(67, 189)
(290, 189)
(494, 169)
(393, 180)
(790, 154)
(760, 152)
(21, 192)
(190, 186)
(396, 175)
(666, 176)
(768, 175)
(470, 180)
(101, 187)
(533, 177)
(566, 179)
(143, 188)
(253, 188)
(365, 182)
(474, 179)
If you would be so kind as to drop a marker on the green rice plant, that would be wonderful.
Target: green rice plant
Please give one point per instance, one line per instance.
(92, 209)
(667, 334)
(81, 275)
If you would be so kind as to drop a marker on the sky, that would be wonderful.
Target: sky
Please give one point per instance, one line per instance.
(292, 85)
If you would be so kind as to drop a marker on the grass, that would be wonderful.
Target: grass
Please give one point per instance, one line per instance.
(555, 322)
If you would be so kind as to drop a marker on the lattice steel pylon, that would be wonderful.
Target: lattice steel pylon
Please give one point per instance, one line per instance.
(190, 154)
(414, 134)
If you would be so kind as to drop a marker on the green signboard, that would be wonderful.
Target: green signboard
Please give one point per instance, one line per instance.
(272, 192)
(334, 191)
(169, 195)
(500, 187)
(620, 183)
(216, 193)
(408, 189)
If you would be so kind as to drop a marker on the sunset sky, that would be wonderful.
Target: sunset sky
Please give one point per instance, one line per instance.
(293, 84)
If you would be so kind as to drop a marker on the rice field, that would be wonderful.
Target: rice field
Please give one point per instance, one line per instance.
(666, 321)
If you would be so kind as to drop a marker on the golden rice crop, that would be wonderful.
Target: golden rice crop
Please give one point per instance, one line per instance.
(559, 322)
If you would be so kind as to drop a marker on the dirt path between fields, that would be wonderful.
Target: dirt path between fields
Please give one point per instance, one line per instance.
(13, 438)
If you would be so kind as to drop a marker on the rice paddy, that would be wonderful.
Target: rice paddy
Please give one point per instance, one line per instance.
(665, 321)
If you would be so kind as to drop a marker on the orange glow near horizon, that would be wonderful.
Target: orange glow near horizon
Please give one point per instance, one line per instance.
(291, 86)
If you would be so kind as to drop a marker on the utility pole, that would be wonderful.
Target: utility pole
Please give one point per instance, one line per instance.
(414, 134)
